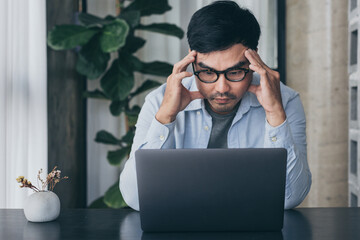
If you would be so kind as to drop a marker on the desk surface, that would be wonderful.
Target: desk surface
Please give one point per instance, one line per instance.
(302, 223)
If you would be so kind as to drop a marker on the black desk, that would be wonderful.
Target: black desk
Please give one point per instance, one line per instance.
(305, 223)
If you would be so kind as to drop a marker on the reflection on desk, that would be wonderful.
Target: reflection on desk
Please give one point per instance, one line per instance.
(305, 223)
(132, 221)
(213, 236)
(48, 230)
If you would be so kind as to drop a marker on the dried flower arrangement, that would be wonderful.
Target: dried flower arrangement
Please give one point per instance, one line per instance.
(51, 180)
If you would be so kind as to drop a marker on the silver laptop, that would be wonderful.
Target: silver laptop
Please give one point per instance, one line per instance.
(211, 189)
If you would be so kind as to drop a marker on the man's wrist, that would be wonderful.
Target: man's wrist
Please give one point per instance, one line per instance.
(276, 118)
(164, 118)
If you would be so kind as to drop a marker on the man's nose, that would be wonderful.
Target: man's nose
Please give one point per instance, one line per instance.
(222, 85)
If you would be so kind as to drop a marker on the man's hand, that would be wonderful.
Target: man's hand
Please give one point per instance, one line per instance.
(176, 96)
(268, 92)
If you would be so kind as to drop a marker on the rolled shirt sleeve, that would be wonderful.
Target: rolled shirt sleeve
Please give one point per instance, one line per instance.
(291, 135)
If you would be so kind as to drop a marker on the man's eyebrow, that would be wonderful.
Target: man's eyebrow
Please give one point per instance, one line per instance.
(237, 65)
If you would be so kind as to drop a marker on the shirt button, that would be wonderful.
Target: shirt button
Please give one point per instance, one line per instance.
(206, 128)
(273, 139)
(162, 138)
(198, 112)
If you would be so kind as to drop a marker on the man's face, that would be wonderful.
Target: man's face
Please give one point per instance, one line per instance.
(223, 95)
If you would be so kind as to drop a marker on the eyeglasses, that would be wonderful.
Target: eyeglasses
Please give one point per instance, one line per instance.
(210, 76)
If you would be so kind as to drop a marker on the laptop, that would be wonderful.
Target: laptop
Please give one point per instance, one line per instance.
(211, 189)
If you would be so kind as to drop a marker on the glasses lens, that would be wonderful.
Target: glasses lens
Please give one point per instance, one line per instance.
(207, 76)
(235, 75)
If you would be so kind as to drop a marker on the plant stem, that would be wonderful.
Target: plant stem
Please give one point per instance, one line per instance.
(119, 4)
(126, 123)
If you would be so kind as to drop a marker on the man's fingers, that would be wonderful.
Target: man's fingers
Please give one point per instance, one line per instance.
(256, 68)
(257, 65)
(183, 75)
(255, 59)
(180, 76)
(253, 62)
(182, 65)
(250, 56)
(253, 88)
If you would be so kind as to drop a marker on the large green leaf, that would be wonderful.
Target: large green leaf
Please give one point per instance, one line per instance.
(131, 17)
(118, 80)
(117, 107)
(157, 68)
(92, 20)
(69, 36)
(113, 197)
(134, 111)
(132, 115)
(132, 120)
(114, 35)
(115, 157)
(164, 28)
(92, 62)
(106, 138)
(129, 137)
(95, 94)
(147, 7)
(148, 84)
(136, 63)
(133, 43)
(98, 203)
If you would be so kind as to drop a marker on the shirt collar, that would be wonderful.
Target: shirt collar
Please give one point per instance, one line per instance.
(248, 100)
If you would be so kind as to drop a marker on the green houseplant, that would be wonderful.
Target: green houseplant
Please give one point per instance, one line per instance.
(114, 37)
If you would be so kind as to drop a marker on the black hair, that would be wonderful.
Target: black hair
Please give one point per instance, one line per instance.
(220, 25)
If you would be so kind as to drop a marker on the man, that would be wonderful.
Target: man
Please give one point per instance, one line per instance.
(233, 101)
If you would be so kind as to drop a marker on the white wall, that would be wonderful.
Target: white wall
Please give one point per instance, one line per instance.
(317, 48)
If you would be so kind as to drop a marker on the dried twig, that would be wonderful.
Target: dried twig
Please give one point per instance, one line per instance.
(52, 179)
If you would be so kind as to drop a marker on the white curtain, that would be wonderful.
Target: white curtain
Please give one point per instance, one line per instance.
(23, 108)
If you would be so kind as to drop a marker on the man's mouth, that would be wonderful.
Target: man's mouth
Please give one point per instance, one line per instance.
(222, 100)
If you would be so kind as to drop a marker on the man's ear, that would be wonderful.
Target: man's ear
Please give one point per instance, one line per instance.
(257, 49)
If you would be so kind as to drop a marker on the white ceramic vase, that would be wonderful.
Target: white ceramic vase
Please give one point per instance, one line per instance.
(43, 206)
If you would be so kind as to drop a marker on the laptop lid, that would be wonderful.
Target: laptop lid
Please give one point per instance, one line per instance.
(211, 189)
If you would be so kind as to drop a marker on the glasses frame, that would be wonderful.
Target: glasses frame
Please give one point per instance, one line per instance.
(196, 73)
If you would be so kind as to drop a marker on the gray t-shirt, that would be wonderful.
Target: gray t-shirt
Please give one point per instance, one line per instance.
(220, 126)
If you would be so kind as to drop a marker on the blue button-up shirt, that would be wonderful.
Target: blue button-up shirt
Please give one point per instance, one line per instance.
(249, 129)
